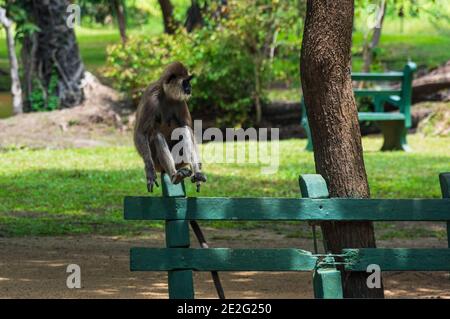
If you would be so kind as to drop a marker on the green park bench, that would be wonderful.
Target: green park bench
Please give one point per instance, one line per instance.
(393, 125)
(180, 260)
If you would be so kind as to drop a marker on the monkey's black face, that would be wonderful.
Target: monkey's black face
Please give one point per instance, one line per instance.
(187, 88)
(178, 87)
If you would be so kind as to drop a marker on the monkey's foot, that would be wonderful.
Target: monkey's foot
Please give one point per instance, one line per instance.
(151, 180)
(181, 174)
(198, 177)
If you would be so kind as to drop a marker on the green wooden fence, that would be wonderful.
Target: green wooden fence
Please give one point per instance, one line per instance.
(180, 260)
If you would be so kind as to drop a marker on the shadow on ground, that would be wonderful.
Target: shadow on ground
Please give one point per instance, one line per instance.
(35, 267)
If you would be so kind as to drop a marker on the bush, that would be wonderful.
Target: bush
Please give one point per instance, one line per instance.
(438, 122)
(223, 82)
(232, 59)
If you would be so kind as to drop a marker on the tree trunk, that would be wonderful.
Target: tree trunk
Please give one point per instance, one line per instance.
(16, 88)
(170, 25)
(194, 17)
(331, 108)
(376, 35)
(427, 87)
(119, 9)
(52, 63)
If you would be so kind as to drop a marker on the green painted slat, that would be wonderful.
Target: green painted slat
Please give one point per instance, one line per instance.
(405, 106)
(380, 92)
(398, 259)
(366, 116)
(391, 76)
(444, 180)
(210, 208)
(172, 190)
(180, 282)
(327, 284)
(313, 186)
(221, 259)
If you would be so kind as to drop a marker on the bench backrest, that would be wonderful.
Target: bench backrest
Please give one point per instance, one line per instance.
(404, 92)
(180, 260)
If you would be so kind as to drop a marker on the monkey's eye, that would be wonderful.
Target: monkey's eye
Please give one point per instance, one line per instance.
(171, 78)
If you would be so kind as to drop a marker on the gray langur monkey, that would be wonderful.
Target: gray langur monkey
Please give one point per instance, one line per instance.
(162, 110)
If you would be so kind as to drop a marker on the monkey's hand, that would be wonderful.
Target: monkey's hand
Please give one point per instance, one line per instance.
(151, 179)
(198, 178)
(181, 174)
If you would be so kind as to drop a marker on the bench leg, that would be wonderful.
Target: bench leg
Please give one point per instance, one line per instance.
(309, 144)
(327, 283)
(394, 133)
(180, 282)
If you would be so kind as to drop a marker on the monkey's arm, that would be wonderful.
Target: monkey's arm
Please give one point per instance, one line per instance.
(143, 146)
(142, 133)
(198, 176)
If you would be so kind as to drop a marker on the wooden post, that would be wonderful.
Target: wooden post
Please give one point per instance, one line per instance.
(444, 180)
(327, 282)
(181, 284)
(313, 186)
(305, 124)
(405, 108)
(394, 136)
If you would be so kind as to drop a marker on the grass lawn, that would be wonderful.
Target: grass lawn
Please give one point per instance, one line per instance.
(80, 191)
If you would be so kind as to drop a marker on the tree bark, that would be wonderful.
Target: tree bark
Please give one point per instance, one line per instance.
(51, 55)
(333, 119)
(16, 88)
(376, 35)
(170, 25)
(194, 16)
(119, 9)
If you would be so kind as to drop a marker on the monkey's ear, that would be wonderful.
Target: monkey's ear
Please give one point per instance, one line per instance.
(171, 78)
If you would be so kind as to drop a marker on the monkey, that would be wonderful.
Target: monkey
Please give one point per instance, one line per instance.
(162, 109)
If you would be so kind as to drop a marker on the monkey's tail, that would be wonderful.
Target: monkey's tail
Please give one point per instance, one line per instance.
(214, 274)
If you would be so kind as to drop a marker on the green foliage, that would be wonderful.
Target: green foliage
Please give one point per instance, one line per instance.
(18, 11)
(219, 83)
(233, 58)
(42, 100)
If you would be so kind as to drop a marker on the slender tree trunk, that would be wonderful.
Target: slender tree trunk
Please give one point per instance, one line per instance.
(16, 88)
(194, 16)
(333, 119)
(119, 9)
(376, 35)
(257, 93)
(51, 59)
(170, 25)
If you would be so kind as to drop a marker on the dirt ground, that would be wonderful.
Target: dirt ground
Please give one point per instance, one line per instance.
(103, 119)
(35, 267)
